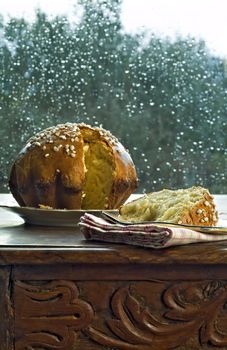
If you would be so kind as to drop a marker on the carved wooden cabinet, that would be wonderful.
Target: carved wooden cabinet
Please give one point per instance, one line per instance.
(60, 292)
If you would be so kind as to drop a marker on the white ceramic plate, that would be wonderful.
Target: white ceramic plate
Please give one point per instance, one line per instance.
(51, 217)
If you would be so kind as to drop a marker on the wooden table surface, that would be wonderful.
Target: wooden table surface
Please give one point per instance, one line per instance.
(59, 291)
(69, 244)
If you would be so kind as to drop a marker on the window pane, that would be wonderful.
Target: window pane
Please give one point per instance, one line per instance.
(161, 88)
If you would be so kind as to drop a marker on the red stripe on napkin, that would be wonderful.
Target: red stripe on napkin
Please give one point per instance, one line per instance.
(144, 235)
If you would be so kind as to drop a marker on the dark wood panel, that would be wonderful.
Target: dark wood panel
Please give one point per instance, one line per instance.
(6, 310)
(67, 315)
(120, 272)
(203, 253)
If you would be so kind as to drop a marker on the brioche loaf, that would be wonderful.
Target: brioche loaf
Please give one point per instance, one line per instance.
(192, 206)
(73, 166)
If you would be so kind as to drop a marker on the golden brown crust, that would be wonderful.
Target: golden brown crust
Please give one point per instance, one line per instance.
(51, 170)
(202, 214)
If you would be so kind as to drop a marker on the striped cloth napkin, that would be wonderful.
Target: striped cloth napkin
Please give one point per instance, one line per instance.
(144, 235)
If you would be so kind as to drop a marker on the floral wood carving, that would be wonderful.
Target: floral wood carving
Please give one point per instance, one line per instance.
(192, 308)
(49, 315)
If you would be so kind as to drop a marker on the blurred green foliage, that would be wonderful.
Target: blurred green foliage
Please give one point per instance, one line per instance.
(166, 100)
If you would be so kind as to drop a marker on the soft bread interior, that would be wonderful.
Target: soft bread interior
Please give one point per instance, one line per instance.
(166, 205)
(99, 175)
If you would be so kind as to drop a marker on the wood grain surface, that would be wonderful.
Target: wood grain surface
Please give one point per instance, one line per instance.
(6, 309)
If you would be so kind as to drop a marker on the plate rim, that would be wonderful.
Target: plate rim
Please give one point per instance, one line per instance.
(51, 217)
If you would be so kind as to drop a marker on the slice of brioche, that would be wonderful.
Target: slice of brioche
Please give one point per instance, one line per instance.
(192, 206)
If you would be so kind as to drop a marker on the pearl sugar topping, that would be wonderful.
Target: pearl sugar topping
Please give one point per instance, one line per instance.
(57, 135)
